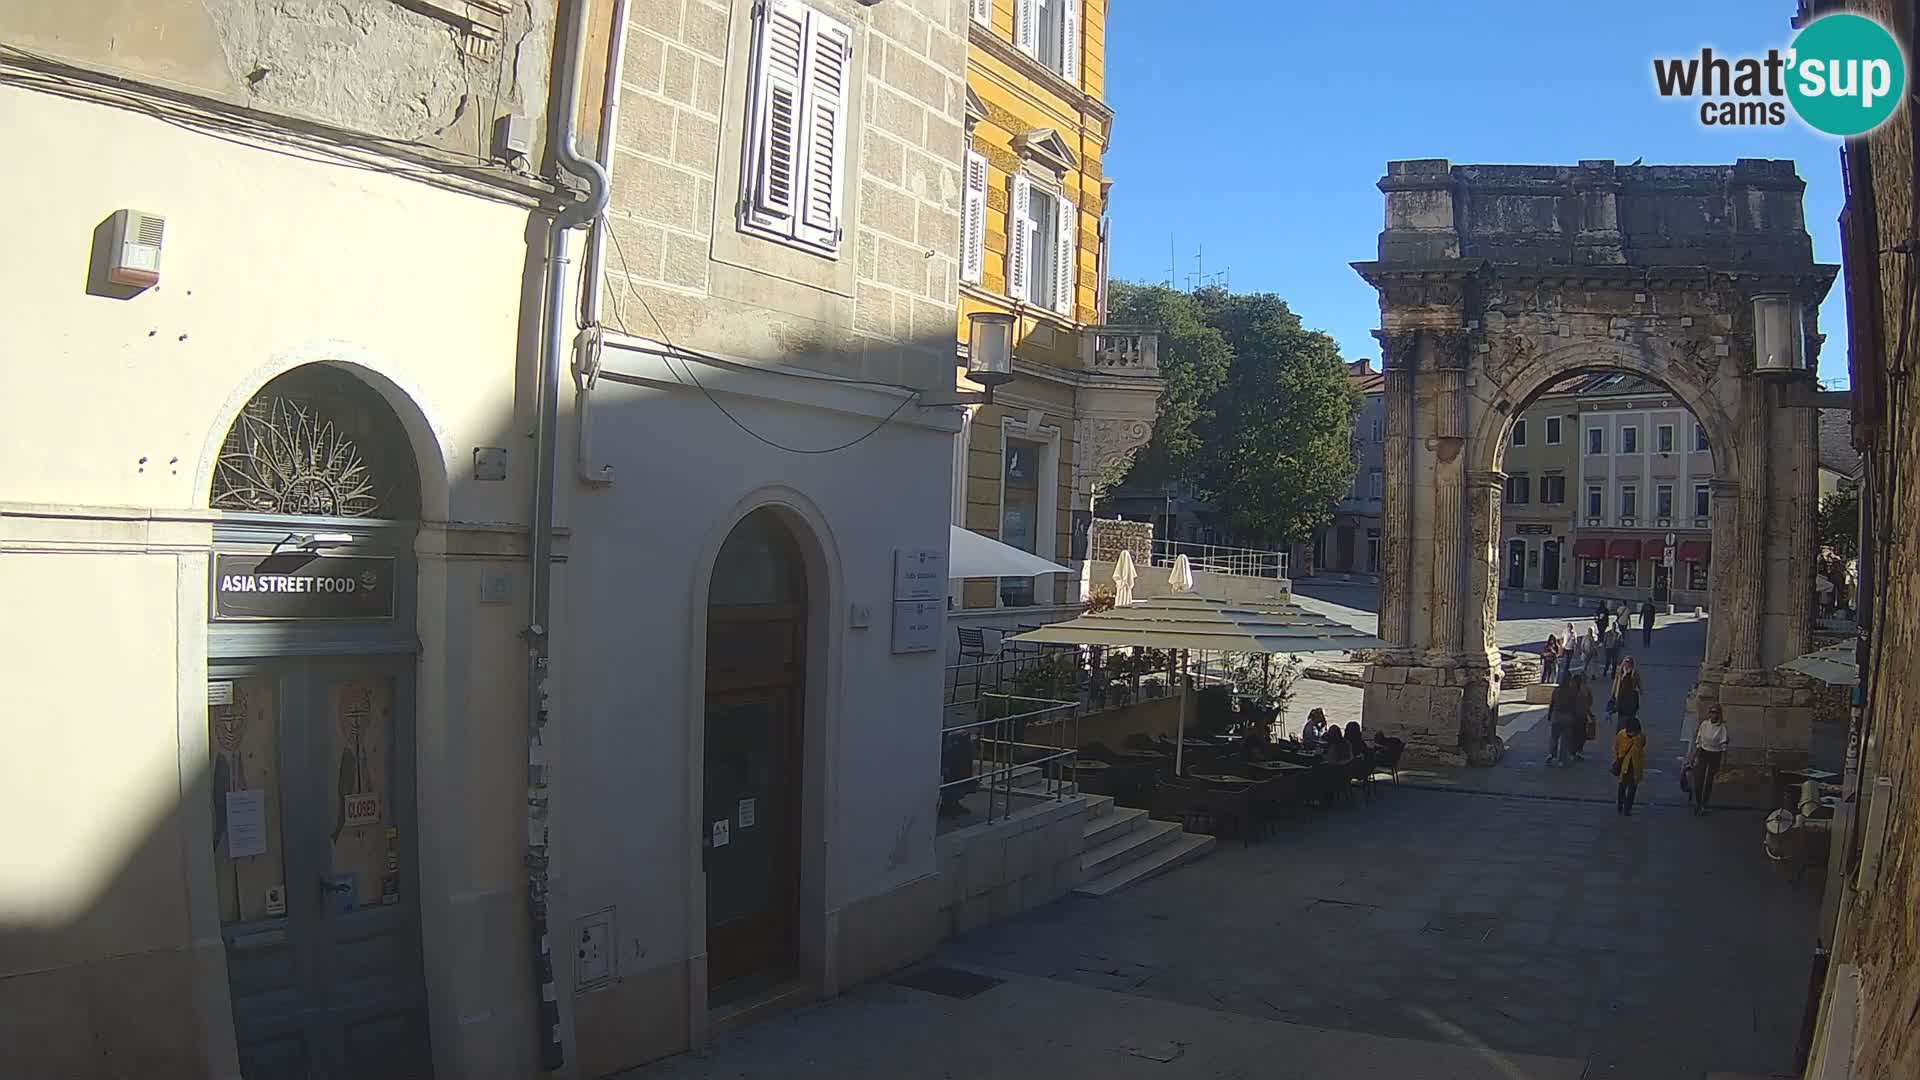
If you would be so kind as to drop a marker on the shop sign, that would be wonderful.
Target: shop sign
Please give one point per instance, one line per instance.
(1533, 530)
(299, 585)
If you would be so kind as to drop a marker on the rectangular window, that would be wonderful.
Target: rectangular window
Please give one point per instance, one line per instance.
(1702, 500)
(1553, 431)
(1596, 440)
(1663, 501)
(1376, 429)
(1376, 484)
(1594, 505)
(1517, 490)
(1042, 244)
(1020, 513)
(1520, 432)
(1629, 501)
(796, 161)
(1626, 572)
(1663, 438)
(1699, 436)
(1697, 576)
(1553, 490)
(1589, 571)
(973, 218)
(1049, 31)
(1629, 439)
(981, 10)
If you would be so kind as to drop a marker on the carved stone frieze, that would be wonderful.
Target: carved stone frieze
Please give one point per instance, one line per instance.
(1107, 447)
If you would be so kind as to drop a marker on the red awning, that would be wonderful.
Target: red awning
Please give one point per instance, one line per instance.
(1693, 550)
(1653, 549)
(1590, 549)
(1623, 549)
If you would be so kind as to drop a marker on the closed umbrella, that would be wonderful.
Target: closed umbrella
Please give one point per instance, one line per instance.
(1123, 578)
(1181, 580)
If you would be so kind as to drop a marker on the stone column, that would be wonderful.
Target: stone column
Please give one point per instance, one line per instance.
(1450, 525)
(1750, 542)
(1396, 518)
(1724, 580)
(1484, 491)
(1801, 500)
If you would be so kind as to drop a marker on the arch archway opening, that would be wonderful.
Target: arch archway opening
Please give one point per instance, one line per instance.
(317, 442)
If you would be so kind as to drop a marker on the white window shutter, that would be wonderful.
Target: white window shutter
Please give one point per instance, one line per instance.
(1066, 240)
(774, 177)
(1019, 238)
(823, 146)
(1026, 27)
(1070, 41)
(982, 11)
(973, 220)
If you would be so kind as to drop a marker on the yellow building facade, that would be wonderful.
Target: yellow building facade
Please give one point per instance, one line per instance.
(1034, 229)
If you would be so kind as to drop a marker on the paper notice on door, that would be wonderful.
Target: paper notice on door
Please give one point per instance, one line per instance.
(246, 823)
(747, 807)
(722, 833)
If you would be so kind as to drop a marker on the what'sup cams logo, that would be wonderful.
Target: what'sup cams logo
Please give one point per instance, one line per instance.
(1844, 75)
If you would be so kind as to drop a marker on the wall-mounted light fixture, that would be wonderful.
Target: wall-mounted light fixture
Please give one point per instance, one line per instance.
(989, 360)
(1779, 343)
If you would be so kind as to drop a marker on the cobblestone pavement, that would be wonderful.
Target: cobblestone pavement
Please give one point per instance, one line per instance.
(1513, 928)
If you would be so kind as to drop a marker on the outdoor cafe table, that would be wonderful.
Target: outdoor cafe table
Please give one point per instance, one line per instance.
(1216, 778)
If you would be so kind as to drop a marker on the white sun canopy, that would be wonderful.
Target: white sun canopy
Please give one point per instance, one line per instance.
(1201, 623)
(1833, 665)
(970, 555)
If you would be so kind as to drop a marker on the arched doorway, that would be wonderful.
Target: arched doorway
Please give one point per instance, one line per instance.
(752, 784)
(310, 698)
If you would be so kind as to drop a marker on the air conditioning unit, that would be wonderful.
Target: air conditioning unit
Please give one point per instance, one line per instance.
(134, 257)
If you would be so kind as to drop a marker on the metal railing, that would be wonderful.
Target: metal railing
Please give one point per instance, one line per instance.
(1215, 559)
(1028, 748)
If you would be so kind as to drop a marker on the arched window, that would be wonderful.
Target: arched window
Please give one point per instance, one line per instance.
(317, 442)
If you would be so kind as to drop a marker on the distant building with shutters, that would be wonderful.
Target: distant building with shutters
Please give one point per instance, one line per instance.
(1034, 231)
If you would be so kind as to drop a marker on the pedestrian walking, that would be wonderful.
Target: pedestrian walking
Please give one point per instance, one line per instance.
(1599, 618)
(1566, 653)
(1703, 760)
(1596, 657)
(1646, 624)
(1550, 659)
(1568, 715)
(1629, 763)
(1624, 701)
(1576, 656)
(1616, 643)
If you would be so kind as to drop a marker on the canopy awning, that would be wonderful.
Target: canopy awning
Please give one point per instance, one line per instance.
(1693, 550)
(1198, 622)
(1623, 549)
(1655, 549)
(970, 555)
(1833, 665)
(1590, 549)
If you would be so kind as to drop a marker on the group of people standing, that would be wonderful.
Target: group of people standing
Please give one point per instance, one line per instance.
(1572, 723)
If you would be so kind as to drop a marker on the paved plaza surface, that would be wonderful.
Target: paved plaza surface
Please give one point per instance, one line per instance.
(1501, 923)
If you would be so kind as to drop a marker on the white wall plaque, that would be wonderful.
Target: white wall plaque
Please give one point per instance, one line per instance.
(917, 624)
(920, 574)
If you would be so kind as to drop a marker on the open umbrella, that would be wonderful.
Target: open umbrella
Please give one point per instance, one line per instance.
(1187, 621)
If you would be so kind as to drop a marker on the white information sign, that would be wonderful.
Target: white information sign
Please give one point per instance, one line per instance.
(722, 833)
(1667, 559)
(748, 812)
(917, 625)
(246, 823)
(919, 574)
(219, 692)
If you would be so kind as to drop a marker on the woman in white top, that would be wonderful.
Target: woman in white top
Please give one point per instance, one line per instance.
(1709, 745)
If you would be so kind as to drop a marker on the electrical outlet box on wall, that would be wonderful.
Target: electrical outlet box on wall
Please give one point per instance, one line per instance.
(593, 959)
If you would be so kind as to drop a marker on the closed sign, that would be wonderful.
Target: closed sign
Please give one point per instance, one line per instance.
(363, 809)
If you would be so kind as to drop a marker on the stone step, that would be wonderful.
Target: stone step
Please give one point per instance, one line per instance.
(1185, 849)
(1128, 846)
(1108, 824)
(1098, 806)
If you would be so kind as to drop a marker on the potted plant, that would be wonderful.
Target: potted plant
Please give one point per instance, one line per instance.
(1265, 682)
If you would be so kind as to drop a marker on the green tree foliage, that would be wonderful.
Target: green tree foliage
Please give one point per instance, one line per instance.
(1837, 524)
(1258, 411)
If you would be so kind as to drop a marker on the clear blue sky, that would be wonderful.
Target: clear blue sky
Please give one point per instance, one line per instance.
(1258, 128)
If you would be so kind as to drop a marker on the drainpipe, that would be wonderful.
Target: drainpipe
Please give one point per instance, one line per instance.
(539, 601)
(588, 344)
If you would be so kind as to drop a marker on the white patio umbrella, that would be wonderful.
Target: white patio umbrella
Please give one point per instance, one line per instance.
(1123, 578)
(1187, 621)
(1181, 580)
(1834, 665)
(970, 555)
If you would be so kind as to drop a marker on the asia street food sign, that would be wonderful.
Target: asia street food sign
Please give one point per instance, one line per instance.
(299, 585)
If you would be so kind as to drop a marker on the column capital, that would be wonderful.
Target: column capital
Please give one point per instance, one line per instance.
(1397, 349)
(1722, 487)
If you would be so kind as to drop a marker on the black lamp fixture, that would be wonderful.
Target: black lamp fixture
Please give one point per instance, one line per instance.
(989, 360)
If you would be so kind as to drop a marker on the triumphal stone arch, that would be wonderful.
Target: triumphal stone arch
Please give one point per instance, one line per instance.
(1496, 282)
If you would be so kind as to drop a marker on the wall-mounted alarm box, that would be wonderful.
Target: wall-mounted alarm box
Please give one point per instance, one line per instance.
(134, 257)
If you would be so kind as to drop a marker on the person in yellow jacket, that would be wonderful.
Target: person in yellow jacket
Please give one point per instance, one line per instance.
(1629, 762)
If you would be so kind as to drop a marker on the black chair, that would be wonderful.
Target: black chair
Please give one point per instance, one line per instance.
(973, 654)
(1386, 753)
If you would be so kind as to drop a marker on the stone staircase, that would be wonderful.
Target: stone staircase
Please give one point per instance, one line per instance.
(1122, 846)
(1125, 846)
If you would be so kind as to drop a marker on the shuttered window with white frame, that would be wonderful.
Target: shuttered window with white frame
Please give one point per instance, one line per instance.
(1026, 26)
(1066, 241)
(795, 176)
(1069, 67)
(1019, 237)
(982, 11)
(973, 220)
